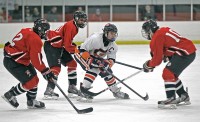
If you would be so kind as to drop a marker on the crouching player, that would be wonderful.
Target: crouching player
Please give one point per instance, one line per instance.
(90, 56)
(165, 42)
(21, 57)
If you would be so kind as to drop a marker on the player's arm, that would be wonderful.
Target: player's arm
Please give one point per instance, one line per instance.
(35, 47)
(68, 36)
(157, 53)
(83, 56)
(157, 56)
(111, 56)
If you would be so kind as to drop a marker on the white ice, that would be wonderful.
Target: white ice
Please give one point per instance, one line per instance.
(106, 107)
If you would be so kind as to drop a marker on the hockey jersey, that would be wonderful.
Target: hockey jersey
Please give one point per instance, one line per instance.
(94, 45)
(63, 36)
(25, 48)
(166, 42)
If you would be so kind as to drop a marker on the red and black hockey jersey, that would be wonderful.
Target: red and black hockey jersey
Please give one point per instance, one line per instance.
(63, 36)
(166, 42)
(25, 48)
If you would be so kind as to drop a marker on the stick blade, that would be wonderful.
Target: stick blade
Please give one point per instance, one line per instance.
(146, 97)
(87, 110)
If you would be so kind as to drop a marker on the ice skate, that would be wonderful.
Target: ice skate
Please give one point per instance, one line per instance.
(184, 99)
(49, 94)
(12, 100)
(32, 104)
(120, 95)
(170, 103)
(73, 92)
(84, 95)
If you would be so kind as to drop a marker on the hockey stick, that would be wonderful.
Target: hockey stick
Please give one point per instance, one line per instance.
(95, 94)
(144, 98)
(83, 111)
(128, 65)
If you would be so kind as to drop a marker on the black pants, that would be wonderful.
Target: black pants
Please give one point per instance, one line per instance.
(19, 71)
(178, 63)
(56, 56)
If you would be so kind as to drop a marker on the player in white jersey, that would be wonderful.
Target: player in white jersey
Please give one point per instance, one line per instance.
(97, 54)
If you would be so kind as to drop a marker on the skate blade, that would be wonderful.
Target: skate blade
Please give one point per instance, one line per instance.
(8, 102)
(32, 107)
(46, 97)
(184, 103)
(83, 99)
(171, 106)
(73, 96)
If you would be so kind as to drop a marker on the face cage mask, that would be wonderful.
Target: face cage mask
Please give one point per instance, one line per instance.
(42, 34)
(145, 34)
(112, 39)
(80, 25)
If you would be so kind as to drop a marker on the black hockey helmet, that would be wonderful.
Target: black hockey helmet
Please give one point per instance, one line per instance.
(110, 27)
(40, 27)
(80, 15)
(149, 27)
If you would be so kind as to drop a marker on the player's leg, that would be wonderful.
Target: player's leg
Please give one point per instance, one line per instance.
(177, 65)
(111, 81)
(88, 80)
(53, 56)
(68, 61)
(27, 77)
(170, 89)
(31, 84)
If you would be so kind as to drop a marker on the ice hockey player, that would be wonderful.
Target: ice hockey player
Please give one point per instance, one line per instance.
(180, 52)
(90, 57)
(59, 48)
(21, 57)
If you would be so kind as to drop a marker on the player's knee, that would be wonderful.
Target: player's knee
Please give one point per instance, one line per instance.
(31, 83)
(56, 70)
(168, 75)
(72, 65)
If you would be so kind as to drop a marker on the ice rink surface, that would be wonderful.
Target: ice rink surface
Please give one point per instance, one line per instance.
(106, 107)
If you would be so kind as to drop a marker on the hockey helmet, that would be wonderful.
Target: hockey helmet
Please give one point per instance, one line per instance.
(148, 28)
(40, 27)
(80, 15)
(110, 28)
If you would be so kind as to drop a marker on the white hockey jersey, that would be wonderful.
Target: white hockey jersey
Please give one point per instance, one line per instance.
(95, 46)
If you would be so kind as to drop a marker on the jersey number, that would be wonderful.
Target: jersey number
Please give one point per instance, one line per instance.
(18, 37)
(175, 35)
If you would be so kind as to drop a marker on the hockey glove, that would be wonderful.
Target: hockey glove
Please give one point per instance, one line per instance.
(166, 58)
(104, 65)
(146, 68)
(49, 75)
(74, 44)
(104, 72)
(93, 63)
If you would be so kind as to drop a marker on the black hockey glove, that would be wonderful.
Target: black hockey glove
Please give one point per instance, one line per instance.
(49, 75)
(74, 44)
(166, 58)
(146, 68)
(104, 72)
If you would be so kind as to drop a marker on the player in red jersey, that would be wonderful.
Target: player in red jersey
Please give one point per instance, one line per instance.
(58, 49)
(179, 51)
(21, 57)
